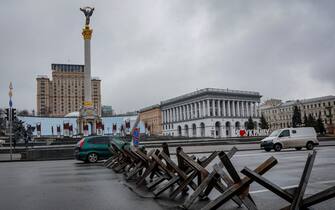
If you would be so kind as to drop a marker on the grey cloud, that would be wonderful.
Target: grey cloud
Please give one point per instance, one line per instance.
(147, 51)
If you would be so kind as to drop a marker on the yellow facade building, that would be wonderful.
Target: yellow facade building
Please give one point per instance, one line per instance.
(152, 120)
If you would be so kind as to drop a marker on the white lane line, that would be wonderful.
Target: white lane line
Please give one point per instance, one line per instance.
(291, 186)
(262, 154)
(266, 190)
(302, 153)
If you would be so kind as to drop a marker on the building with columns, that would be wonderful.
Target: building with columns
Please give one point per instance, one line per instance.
(209, 112)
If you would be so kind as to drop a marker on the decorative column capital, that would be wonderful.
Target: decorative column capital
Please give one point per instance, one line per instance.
(87, 33)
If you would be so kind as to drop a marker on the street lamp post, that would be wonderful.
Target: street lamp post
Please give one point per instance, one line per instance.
(10, 94)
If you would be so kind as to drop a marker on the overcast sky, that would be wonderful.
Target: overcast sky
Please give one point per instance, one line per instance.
(151, 50)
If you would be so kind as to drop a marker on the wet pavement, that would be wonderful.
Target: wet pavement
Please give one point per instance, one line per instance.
(69, 184)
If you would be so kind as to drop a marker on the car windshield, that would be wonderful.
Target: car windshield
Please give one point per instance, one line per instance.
(275, 133)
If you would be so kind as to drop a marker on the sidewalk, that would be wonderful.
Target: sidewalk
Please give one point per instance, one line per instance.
(6, 157)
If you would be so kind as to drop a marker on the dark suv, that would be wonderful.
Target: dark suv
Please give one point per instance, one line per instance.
(93, 148)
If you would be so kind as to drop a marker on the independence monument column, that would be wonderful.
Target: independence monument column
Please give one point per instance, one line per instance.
(88, 115)
(87, 34)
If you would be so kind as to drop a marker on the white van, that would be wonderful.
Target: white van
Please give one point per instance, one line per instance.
(290, 138)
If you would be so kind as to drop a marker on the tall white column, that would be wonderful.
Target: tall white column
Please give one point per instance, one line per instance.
(208, 107)
(233, 106)
(255, 113)
(87, 34)
(247, 108)
(186, 112)
(228, 106)
(238, 108)
(219, 108)
(203, 109)
(170, 115)
(198, 110)
(242, 107)
(178, 113)
(163, 117)
(192, 108)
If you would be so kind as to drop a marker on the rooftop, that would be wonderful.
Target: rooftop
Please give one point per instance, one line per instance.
(150, 107)
(67, 67)
(303, 101)
(212, 90)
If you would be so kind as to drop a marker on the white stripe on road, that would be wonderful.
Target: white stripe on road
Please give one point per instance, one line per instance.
(291, 186)
(282, 153)
(262, 154)
(266, 190)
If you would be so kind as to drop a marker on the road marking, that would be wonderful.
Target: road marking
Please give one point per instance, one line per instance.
(302, 153)
(270, 154)
(266, 190)
(291, 186)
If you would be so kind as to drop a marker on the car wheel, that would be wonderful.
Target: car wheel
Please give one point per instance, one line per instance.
(277, 147)
(92, 157)
(309, 145)
(268, 149)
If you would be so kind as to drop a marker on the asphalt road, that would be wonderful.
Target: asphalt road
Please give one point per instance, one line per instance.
(70, 184)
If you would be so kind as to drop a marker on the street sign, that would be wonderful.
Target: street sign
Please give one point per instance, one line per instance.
(136, 137)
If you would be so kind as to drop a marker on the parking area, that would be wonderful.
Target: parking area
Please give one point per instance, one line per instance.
(70, 184)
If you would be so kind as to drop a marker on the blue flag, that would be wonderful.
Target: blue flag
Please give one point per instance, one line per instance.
(10, 103)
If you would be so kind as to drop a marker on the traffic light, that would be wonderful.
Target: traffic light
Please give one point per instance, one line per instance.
(7, 114)
(13, 114)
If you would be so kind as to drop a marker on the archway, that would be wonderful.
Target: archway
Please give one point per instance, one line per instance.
(179, 130)
(237, 126)
(202, 129)
(194, 130)
(246, 125)
(218, 129)
(228, 129)
(186, 130)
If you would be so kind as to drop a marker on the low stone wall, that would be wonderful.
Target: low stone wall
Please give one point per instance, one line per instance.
(48, 154)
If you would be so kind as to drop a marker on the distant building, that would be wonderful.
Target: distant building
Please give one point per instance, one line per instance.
(279, 115)
(107, 111)
(210, 113)
(64, 93)
(152, 119)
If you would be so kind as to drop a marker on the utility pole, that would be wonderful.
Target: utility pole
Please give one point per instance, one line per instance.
(10, 119)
